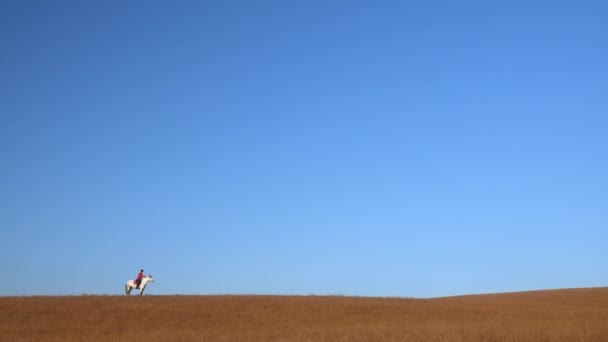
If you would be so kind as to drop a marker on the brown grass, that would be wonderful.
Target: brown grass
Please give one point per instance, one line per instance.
(557, 315)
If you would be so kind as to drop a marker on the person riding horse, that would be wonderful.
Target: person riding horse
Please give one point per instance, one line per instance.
(139, 278)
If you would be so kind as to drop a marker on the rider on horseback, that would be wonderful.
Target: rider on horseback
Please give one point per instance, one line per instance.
(139, 278)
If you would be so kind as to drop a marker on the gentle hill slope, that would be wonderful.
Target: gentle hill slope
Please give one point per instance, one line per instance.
(552, 315)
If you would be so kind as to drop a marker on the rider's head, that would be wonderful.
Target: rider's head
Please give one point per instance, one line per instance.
(141, 270)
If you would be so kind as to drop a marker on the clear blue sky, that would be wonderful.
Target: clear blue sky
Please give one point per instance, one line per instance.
(377, 148)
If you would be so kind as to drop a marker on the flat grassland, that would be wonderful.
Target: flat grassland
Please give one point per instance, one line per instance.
(553, 315)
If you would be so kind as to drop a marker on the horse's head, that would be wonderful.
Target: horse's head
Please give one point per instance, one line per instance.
(150, 279)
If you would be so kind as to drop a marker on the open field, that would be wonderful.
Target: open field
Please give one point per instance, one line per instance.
(554, 315)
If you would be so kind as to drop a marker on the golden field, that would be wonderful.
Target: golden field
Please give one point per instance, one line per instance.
(552, 315)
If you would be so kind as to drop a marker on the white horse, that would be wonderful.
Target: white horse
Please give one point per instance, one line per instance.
(130, 285)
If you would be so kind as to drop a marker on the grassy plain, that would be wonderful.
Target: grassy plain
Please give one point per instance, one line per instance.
(553, 315)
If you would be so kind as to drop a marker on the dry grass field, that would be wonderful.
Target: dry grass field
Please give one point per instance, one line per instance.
(555, 315)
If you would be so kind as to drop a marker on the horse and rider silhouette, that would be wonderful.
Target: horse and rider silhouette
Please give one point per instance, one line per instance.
(139, 283)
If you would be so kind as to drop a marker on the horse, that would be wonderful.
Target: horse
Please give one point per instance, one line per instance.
(130, 285)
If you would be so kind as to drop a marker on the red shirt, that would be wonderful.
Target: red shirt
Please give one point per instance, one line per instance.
(140, 275)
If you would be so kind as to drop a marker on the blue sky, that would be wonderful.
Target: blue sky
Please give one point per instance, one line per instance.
(407, 148)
